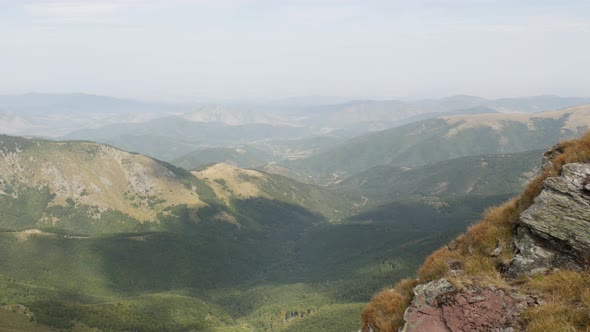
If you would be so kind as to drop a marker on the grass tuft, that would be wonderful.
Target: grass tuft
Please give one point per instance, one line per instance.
(385, 312)
(567, 307)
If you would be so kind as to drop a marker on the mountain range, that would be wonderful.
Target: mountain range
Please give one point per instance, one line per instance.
(261, 218)
(94, 236)
(428, 141)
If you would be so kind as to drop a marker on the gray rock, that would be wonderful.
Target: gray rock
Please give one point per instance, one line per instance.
(561, 213)
(496, 252)
(440, 307)
(532, 257)
(424, 313)
(555, 230)
(549, 156)
(427, 293)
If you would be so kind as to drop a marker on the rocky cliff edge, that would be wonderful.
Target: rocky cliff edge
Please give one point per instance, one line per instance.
(523, 267)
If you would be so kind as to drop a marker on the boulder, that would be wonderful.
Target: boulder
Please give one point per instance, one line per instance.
(532, 256)
(439, 307)
(561, 212)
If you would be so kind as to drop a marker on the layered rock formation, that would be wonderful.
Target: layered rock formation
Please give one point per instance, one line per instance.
(552, 234)
(555, 230)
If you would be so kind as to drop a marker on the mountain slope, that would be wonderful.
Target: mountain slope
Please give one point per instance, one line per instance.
(229, 183)
(523, 267)
(101, 183)
(69, 180)
(57, 114)
(444, 138)
(242, 156)
(186, 135)
(370, 115)
(474, 175)
(239, 249)
(232, 116)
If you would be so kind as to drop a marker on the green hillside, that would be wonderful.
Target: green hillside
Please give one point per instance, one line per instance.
(230, 183)
(433, 140)
(214, 276)
(91, 188)
(95, 237)
(240, 156)
(474, 175)
(172, 137)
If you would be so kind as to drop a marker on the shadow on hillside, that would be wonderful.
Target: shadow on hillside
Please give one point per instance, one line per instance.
(215, 247)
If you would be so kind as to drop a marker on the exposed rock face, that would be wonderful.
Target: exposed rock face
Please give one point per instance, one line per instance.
(562, 211)
(439, 306)
(532, 257)
(553, 232)
(550, 155)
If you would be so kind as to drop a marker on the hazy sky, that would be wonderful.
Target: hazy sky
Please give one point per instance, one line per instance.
(233, 49)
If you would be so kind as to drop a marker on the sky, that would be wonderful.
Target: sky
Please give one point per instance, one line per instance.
(272, 49)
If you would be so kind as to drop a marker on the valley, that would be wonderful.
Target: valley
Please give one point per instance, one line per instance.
(294, 166)
(247, 226)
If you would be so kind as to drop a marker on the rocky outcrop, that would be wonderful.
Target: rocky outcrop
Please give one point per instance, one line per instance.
(440, 306)
(562, 211)
(550, 155)
(553, 232)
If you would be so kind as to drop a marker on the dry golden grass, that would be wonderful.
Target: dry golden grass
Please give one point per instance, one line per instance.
(473, 248)
(228, 181)
(104, 175)
(568, 302)
(568, 292)
(385, 312)
(576, 116)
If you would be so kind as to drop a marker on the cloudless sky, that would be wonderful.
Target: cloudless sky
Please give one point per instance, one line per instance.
(270, 49)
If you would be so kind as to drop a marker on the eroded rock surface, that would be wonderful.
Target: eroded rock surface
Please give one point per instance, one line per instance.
(439, 307)
(549, 156)
(553, 232)
(562, 211)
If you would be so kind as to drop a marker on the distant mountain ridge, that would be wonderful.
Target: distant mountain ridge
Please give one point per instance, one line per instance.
(501, 174)
(233, 116)
(183, 136)
(380, 114)
(53, 115)
(85, 186)
(448, 137)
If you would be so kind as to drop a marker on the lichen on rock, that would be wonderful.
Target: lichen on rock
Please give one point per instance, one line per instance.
(553, 232)
(438, 306)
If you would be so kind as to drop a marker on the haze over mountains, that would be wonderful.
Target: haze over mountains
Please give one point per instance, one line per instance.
(278, 166)
(39, 113)
(169, 131)
(204, 213)
(209, 241)
(447, 137)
